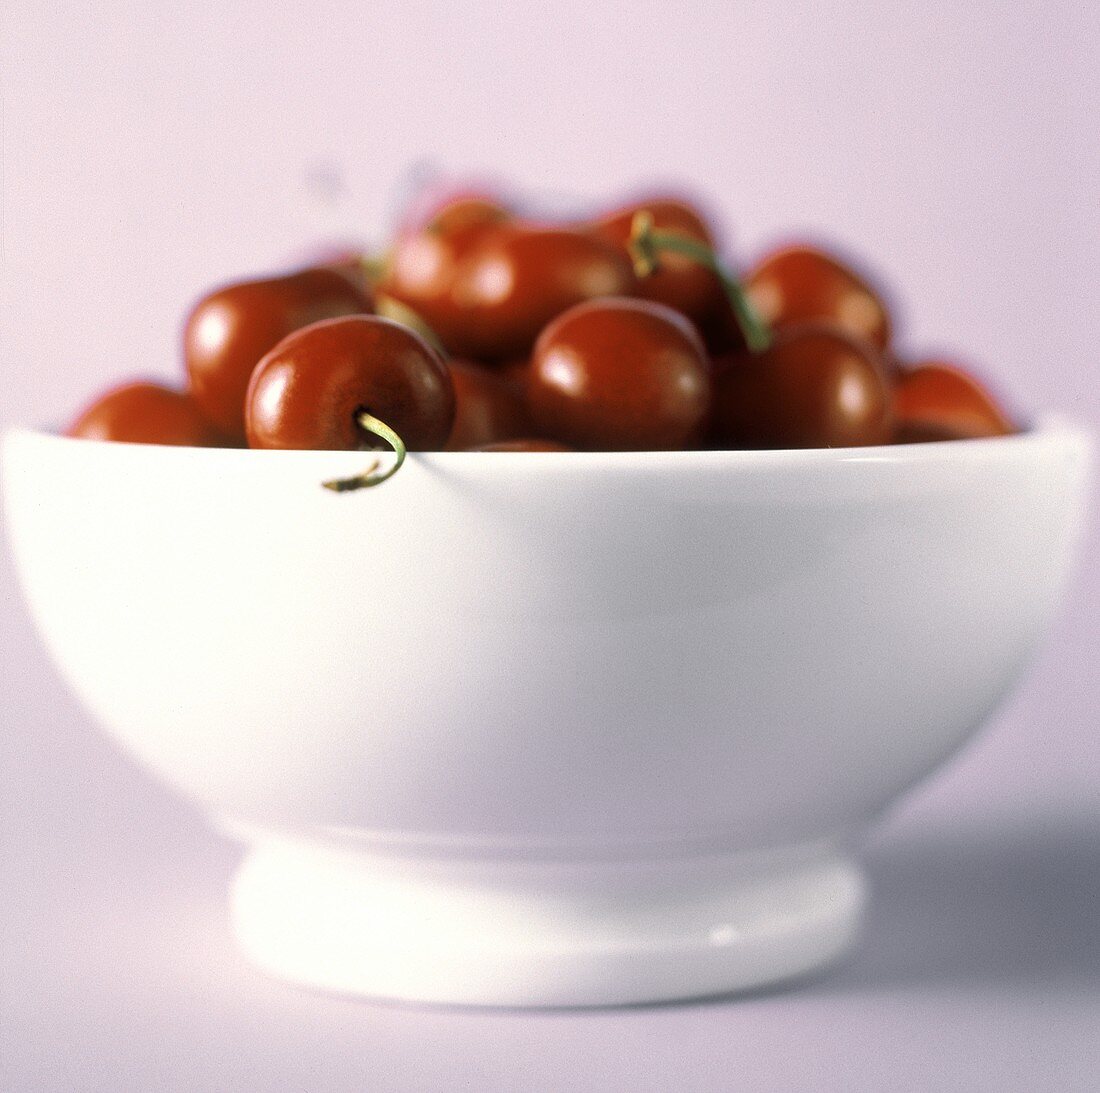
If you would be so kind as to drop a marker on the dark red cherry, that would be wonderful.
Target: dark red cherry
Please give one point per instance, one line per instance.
(935, 400)
(679, 282)
(802, 284)
(229, 330)
(487, 407)
(814, 387)
(524, 444)
(514, 375)
(518, 278)
(421, 270)
(144, 412)
(620, 374)
(308, 392)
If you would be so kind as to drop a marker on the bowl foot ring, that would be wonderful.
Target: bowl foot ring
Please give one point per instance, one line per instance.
(520, 933)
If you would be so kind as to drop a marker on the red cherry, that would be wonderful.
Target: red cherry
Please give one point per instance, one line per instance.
(939, 401)
(309, 391)
(425, 259)
(147, 413)
(620, 374)
(814, 387)
(679, 282)
(524, 444)
(229, 330)
(513, 374)
(487, 408)
(518, 278)
(801, 284)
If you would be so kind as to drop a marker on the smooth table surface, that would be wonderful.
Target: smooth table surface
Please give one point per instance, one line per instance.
(979, 969)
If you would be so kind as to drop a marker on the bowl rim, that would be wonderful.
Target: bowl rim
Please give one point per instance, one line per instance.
(1043, 429)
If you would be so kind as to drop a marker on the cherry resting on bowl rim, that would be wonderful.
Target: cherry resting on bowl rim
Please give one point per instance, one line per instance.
(935, 400)
(815, 386)
(144, 412)
(475, 275)
(311, 390)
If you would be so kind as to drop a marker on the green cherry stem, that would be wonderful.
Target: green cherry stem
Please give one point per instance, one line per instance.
(375, 266)
(646, 247)
(370, 424)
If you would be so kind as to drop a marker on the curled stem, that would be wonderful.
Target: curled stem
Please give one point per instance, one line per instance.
(370, 477)
(646, 246)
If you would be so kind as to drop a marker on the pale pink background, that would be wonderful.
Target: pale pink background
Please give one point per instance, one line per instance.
(148, 153)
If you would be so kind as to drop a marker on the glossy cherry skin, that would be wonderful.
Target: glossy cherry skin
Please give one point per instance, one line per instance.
(488, 409)
(679, 282)
(620, 374)
(228, 332)
(144, 412)
(308, 391)
(802, 284)
(425, 260)
(935, 400)
(524, 444)
(814, 387)
(519, 277)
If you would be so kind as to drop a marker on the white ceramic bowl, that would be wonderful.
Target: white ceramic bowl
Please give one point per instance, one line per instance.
(544, 729)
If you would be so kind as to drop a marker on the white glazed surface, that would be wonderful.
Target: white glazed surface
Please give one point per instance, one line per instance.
(551, 658)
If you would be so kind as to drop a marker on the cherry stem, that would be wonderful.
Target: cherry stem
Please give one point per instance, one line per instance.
(646, 246)
(370, 424)
(374, 266)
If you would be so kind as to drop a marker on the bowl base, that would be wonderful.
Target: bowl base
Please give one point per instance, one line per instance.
(541, 933)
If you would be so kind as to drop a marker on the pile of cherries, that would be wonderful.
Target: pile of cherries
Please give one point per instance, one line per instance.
(484, 330)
